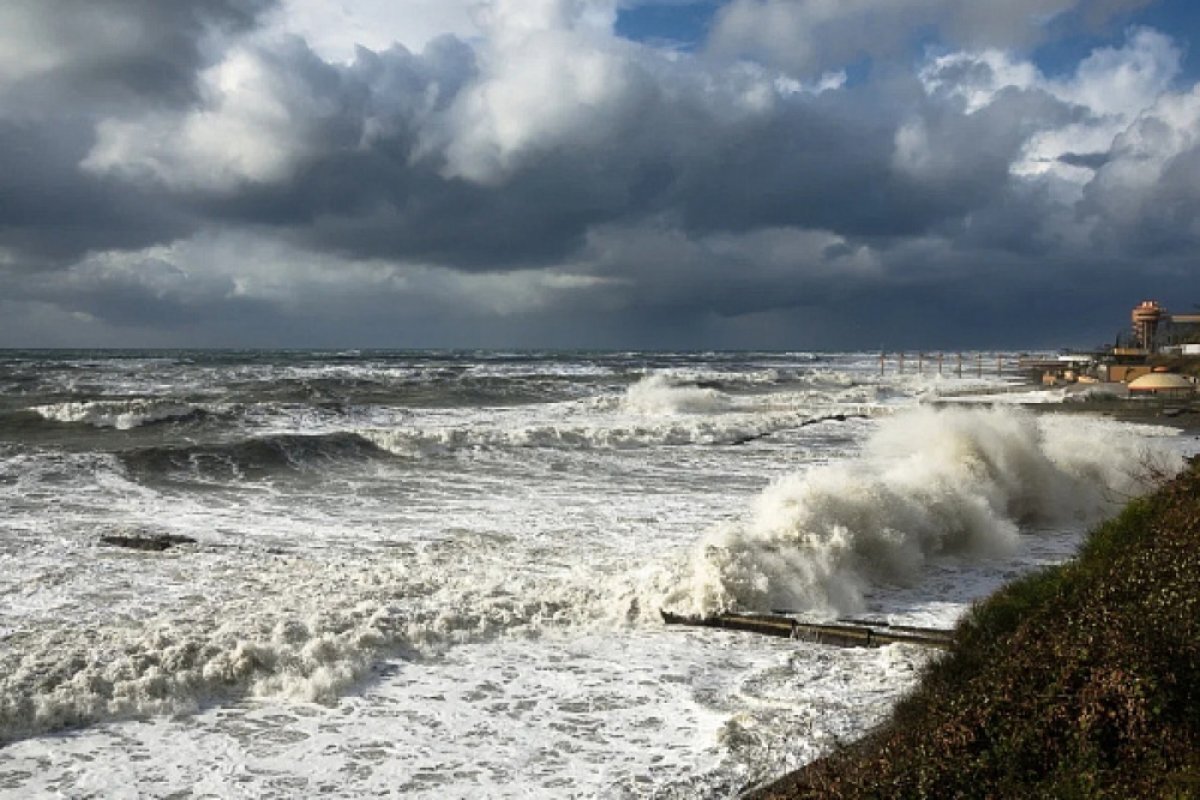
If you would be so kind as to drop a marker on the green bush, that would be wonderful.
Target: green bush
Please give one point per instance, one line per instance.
(1079, 681)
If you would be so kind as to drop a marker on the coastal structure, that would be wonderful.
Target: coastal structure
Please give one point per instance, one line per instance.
(1162, 384)
(1146, 358)
(1146, 317)
(1157, 330)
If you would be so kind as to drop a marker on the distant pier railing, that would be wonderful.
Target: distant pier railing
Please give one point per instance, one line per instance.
(960, 365)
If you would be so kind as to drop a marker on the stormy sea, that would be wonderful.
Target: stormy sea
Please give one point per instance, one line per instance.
(440, 574)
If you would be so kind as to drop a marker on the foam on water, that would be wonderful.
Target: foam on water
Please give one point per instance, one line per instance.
(119, 414)
(613, 433)
(308, 632)
(657, 394)
(443, 572)
(693, 714)
(930, 483)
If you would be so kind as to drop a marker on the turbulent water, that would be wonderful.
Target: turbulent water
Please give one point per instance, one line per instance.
(440, 574)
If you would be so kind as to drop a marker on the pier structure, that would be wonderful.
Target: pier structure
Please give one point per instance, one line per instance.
(979, 363)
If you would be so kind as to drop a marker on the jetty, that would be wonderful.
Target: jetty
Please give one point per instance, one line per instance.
(840, 633)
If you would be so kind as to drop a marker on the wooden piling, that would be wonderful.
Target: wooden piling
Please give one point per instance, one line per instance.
(841, 634)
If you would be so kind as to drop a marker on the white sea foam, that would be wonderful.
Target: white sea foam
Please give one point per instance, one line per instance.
(657, 395)
(592, 426)
(930, 483)
(119, 414)
(614, 435)
(509, 719)
(489, 619)
(313, 634)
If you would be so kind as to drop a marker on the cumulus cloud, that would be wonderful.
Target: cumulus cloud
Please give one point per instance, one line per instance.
(1110, 88)
(516, 172)
(336, 31)
(260, 114)
(110, 51)
(550, 77)
(820, 34)
(1146, 197)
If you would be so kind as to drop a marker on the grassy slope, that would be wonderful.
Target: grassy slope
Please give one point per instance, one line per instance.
(1079, 681)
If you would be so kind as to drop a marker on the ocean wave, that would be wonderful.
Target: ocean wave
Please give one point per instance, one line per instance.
(24, 420)
(449, 440)
(658, 394)
(433, 388)
(621, 433)
(929, 483)
(317, 632)
(119, 414)
(249, 458)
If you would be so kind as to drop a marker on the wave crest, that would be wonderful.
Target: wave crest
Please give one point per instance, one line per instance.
(119, 414)
(250, 457)
(929, 483)
(657, 394)
(305, 641)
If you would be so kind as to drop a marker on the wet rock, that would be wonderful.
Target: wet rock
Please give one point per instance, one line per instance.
(156, 542)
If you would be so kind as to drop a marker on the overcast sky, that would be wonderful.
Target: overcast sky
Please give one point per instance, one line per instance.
(797, 174)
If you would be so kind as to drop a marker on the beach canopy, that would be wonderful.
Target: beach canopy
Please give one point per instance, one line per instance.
(1162, 382)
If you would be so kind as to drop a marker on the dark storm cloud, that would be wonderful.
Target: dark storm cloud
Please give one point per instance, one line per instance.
(811, 161)
(187, 164)
(811, 37)
(62, 65)
(820, 164)
(1147, 194)
(1085, 160)
(102, 51)
(52, 214)
(370, 190)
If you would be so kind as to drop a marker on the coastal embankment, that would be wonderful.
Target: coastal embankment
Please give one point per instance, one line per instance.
(1082, 680)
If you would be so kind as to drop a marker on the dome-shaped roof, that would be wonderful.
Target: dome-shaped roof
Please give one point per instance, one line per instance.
(1161, 382)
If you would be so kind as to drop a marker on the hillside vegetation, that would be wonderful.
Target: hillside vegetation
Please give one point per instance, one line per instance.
(1079, 681)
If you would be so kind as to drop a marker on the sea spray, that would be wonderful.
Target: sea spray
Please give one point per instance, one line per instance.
(659, 394)
(318, 632)
(455, 553)
(119, 414)
(928, 483)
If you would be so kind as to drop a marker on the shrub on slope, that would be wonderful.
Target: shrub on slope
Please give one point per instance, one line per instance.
(1082, 680)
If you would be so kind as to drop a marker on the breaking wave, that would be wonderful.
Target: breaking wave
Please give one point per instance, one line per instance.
(624, 433)
(319, 630)
(659, 395)
(119, 414)
(250, 458)
(930, 483)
